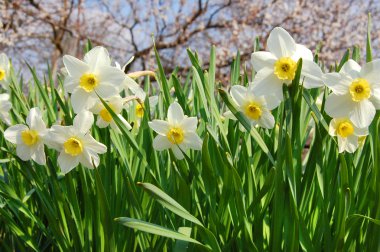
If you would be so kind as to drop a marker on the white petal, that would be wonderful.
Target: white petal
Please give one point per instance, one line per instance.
(229, 115)
(193, 141)
(339, 105)
(34, 120)
(83, 121)
(153, 101)
(363, 114)
(38, 154)
(267, 83)
(332, 127)
(262, 60)
(161, 143)
(312, 74)
(67, 162)
(13, 132)
(175, 114)
(272, 101)
(351, 68)
(93, 145)
(370, 71)
(75, 67)
(23, 152)
(189, 124)
(89, 160)
(337, 82)
(302, 52)
(4, 61)
(266, 120)
(70, 83)
(97, 58)
(349, 144)
(361, 131)
(82, 100)
(375, 98)
(280, 43)
(160, 126)
(177, 152)
(101, 123)
(4, 97)
(239, 94)
(110, 77)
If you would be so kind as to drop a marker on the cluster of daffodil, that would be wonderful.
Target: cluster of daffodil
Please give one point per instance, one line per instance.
(352, 104)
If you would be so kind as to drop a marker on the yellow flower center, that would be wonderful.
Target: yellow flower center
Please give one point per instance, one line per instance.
(73, 146)
(29, 137)
(88, 82)
(360, 89)
(140, 110)
(175, 135)
(2, 74)
(285, 68)
(253, 110)
(105, 114)
(345, 129)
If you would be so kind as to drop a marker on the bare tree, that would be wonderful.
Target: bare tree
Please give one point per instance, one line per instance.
(41, 31)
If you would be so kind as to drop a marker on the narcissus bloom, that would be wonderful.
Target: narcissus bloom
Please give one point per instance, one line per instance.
(116, 103)
(75, 143)
(5, 106)
(349, 136)
(178, 133)
(279, 65)
(93, 75)
(4, 70)
(255, 108)
(29, 138)
(355, 92)
(139, 108)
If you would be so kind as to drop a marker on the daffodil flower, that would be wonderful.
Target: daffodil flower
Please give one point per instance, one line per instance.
(29, 138)
(279, 65)
(255, 108)
(105, 118)
(5, 106)
(75, 143)
(90, 77)
(355, 92)
(138, 110)
(4, 70)
(178, 133)
(130, 84)
(349, 136)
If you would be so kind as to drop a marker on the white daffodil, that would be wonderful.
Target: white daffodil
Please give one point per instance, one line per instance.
(105, 117)
(139, 108)
(349, 136)
(355, 92)
(29, 138)
(75, 143)
(178, 133)
(255, 108)
(5, 106)
(93, 75)
(279, 65)
(5, 67)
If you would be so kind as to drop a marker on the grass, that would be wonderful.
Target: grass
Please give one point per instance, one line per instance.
(260, 190)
